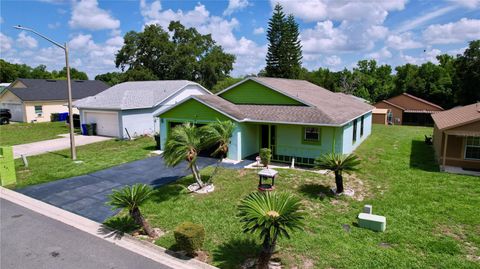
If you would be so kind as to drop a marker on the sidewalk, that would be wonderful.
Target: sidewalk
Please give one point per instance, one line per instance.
(97, 230)
(45, 146)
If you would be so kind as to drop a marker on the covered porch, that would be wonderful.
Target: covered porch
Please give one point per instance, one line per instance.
(460, 149)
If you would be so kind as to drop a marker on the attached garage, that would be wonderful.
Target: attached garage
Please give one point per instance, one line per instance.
(107, 122)
(15, 109)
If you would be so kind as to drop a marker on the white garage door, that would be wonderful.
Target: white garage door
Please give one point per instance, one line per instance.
(107, 122)
(15, 109)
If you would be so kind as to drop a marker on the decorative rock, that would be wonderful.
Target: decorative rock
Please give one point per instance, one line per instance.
(373, 222)
(368, 209)
(196, 188)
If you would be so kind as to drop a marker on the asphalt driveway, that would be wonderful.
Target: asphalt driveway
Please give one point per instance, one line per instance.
(86, 195)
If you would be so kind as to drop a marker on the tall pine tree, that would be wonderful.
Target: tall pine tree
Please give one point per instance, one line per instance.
(284, 50)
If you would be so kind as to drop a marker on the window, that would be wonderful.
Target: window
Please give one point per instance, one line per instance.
(472, 148)
(354, 137)
(38, 110)
(311, 134)
(361, 127)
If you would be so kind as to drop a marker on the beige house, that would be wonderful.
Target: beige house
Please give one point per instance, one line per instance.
(34, 100)
(456, 137)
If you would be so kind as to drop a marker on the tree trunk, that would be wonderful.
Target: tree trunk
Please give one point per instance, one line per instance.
(339, 181)
(137, 216)
(266, 254)
(196, 174)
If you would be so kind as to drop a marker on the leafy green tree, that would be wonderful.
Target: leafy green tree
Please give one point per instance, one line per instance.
(467, 75)
(338, 163)
(111, 78)
(131, 198)
(271, 215)
(40, 72)
(184, 143)
(225, 83)
(74, 74)
(284, 53)
(185, 54)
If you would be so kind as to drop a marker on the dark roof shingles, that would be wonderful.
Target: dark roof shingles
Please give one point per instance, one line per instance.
(48, 89)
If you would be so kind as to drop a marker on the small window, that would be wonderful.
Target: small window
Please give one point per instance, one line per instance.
(38, 110)
(472, 148)
(311, 134)
(354, 136)
(361, 126)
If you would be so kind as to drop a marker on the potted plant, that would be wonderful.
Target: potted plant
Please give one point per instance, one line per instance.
(265, 156)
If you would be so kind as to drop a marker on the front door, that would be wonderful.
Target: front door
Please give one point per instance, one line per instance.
(268, 137)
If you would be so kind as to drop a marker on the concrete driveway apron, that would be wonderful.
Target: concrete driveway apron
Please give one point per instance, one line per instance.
(87, 195)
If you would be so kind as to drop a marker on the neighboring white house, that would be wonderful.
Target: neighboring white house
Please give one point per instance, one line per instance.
(128, 109)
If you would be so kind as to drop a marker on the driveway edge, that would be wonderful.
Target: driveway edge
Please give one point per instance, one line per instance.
(96, 229)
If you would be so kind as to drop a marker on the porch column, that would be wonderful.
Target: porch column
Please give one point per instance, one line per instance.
(444, 151)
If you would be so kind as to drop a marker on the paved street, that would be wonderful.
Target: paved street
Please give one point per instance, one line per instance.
(86, 195)
(32, 241)
(45, 146)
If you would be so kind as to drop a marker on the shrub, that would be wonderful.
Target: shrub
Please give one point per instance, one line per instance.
(189, 237)
(265, 156)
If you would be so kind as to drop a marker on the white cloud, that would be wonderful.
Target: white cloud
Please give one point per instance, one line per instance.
(87, 15)
(429, 55)
(333, 60)
(402, 41)
(26, 41)
(453, 32)
(5, 43)
(412, 24)
(258, 31)
(380, 55)
(250, 56)
(467, 3)
(318, 10)
(234, 5)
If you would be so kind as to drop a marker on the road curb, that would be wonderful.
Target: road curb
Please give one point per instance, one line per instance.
(96, 229)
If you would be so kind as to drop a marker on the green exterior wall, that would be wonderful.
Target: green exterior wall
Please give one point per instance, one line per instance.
(251, 92)
(193, 110)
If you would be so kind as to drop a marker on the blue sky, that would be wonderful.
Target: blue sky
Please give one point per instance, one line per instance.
(334, 34)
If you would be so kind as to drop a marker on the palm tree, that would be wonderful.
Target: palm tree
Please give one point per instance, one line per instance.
(271, 215)
(184, 143)
(219, 134)
(338, 163)
(130, 198)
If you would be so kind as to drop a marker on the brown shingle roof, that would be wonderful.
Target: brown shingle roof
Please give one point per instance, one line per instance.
(422, 100)
(274, 113)
(457, 116)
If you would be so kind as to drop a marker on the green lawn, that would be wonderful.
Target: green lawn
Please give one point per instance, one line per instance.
(58, 165)
(21, 133)
(433, 218)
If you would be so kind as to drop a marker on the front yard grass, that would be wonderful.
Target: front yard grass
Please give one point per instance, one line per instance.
(22, 133)
(433, 218)
(97, 156)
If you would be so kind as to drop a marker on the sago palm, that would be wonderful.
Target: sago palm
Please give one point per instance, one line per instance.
(131, 198)
(338, 163)
(219, 134)
(184, 143)
(271, 215)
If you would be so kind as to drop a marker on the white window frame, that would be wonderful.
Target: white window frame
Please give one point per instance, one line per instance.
(308, 139)
(473, 146)
(41, 110)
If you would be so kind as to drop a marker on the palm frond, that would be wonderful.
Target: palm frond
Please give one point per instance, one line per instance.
(271, 214)
(338, 162)
(183, 140)
(130, 197)
(218, 133)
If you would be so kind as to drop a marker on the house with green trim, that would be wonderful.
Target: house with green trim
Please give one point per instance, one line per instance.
(294, 118)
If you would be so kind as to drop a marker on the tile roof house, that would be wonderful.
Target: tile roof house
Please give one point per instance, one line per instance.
(456, 137)
(294, 118)
(127, 109)
(406, 109)
(35, 99)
